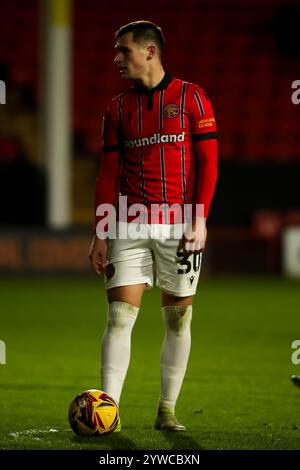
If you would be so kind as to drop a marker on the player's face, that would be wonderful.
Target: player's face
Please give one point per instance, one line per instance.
(131, 58)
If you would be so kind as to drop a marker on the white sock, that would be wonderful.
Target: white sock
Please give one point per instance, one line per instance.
(116, 346)
(174, 354)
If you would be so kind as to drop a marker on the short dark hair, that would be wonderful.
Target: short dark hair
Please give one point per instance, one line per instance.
(143, 31)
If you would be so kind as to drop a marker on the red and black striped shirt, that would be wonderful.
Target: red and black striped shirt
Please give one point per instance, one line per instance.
(154, 133)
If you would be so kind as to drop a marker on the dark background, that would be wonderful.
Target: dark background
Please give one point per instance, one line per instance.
(244, 54)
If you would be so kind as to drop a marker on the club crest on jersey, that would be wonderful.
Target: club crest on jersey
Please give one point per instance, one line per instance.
(171, 110)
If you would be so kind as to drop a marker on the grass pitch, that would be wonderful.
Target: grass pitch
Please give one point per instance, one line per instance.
(237, 393)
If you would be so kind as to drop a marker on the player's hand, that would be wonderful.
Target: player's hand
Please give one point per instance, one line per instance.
(194, 237)
(98, 255)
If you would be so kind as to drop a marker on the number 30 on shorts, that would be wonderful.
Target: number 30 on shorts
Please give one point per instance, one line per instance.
(187, 260)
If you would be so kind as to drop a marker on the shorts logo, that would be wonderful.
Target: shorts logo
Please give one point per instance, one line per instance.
(171, 110)
(110, 271)
(192, 279)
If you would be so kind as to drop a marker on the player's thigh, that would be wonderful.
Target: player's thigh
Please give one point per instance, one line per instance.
(177, 273)
(131, 294)
(175, 300)
(129, 269)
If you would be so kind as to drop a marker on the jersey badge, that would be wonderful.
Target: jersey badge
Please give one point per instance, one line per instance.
(171, 110)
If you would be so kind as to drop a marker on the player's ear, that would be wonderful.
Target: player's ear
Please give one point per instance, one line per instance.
(151, 52)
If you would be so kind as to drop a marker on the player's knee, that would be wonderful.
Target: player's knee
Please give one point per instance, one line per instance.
(117, 322)
(177, 319)
(121, 315)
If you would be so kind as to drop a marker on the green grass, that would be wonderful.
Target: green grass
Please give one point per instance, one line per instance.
(237, 393)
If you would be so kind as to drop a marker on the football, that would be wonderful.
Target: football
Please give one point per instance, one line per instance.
(93, 413)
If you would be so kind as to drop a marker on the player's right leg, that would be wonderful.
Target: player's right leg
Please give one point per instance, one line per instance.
(123, 308)
(129, 271)
(131, 294)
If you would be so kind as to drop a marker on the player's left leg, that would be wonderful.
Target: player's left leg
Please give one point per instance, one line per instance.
(177, 276)
(177, 315)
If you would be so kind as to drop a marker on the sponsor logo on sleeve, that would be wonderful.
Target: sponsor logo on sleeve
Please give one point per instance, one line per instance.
(209, 122)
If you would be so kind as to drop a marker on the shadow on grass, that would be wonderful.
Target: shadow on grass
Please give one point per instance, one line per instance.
(106, 442)
(181, 441)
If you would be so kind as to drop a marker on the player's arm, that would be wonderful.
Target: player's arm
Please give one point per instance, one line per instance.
(106, 187)
(204, 138)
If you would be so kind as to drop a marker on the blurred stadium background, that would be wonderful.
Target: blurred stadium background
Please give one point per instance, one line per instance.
(245, 54)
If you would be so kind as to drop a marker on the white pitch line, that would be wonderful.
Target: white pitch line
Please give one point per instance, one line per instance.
(31, 432)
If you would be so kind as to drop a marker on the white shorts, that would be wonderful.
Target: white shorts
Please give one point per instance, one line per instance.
(150, 255)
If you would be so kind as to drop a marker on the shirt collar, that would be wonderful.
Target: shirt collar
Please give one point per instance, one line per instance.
(161, 86)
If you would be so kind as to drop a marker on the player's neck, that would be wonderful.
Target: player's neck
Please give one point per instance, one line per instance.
(152, 79)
